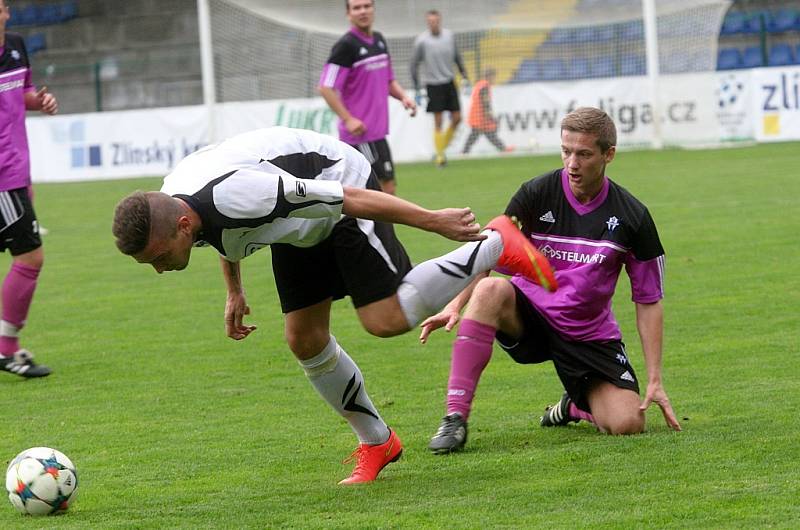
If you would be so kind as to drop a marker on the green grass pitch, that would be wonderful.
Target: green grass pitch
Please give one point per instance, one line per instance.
(172, 425)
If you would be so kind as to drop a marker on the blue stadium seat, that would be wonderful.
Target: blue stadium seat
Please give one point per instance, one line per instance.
(780, 55)
(529, 70)
(632, 30)
(752, 57)
(26, 16)
(602, 66)
(729, 59)
(605, 33)
(753, 23)
(553, 70)
(784, 20)
(35, 43)
(561, 36)
(632, 65)
(585, 34)
(579, 68)
(69, 10)
(733, 23)
(48, 14)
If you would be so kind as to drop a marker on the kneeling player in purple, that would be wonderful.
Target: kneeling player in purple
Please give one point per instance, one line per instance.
(589, 227)
(315, 201)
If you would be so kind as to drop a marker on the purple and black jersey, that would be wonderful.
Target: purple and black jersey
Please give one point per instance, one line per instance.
(360, 69)
(587, 245)
(15, 81)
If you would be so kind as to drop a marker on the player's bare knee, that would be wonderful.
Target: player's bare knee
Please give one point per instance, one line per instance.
(626, 424)
(384, 326)
(305, 344)
(493, 293)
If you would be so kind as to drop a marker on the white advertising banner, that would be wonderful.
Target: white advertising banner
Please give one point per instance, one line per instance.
(111, 145)
(776, 103)
(150, 142)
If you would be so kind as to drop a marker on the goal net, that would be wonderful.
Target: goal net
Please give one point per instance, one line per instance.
(268, 49)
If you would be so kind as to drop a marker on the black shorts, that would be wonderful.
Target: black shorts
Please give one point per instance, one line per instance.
(379, 156)
(443, 97)
(19, 229)
(361, 258)
(578, 364)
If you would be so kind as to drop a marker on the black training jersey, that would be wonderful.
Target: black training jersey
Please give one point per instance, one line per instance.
(587, 245)
(275, 185)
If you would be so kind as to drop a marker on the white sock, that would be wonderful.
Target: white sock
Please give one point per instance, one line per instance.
(339, 381)
(429, 286)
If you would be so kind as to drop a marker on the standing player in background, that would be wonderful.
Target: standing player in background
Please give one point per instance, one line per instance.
(313, 199)
(437, 51)
(481, 119)
(590, 227)
(19, 229)
(356, 83)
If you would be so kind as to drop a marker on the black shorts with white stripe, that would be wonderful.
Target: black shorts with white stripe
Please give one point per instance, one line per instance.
(361, 258)
(579, 364)
(19, 229)
(379, 156)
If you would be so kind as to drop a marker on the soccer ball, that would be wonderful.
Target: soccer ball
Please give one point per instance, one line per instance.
(41, 481)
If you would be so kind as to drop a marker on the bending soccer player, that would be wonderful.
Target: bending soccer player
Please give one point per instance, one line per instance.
(590, 228)
(314, 199)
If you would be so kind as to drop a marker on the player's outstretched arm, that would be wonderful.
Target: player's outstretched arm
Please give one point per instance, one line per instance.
(457, 224)
(650, 323)
(236, 305)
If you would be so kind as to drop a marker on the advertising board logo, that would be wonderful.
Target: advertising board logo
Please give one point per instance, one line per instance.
(731, 89)
(82, 154)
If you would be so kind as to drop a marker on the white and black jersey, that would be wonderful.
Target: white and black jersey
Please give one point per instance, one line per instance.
(284, 187)
(275, 185)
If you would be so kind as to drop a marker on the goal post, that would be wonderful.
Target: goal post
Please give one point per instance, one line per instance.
(258, 50)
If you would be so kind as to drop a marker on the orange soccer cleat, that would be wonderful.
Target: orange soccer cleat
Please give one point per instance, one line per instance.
(370, 459)
(520, 256)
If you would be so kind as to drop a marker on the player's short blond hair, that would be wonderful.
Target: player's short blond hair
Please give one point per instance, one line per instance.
(591, 120)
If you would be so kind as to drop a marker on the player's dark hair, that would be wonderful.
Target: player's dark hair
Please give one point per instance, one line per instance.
(132, 223)
(433, 12)
(347, 5)
(592, 120)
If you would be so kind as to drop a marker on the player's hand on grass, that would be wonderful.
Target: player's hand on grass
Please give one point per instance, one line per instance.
(47, 101)
(447, 318)
(355, 126)
(457, 224)
(235, 309)
(656, 394)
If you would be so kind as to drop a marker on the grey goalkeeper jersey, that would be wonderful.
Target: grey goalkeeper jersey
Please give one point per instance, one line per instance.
(437, 54)
(275, 185)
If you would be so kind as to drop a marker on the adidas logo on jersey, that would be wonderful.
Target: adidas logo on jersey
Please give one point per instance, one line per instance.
(548, 217)
(626, 375)
(362, 51)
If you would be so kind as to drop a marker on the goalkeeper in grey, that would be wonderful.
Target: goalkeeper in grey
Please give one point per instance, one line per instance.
(436, 51)
(315, 201)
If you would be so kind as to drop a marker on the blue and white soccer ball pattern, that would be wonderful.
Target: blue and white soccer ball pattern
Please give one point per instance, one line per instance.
(41, 481)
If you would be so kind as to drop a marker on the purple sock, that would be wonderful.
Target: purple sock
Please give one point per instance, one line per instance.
(575, 412)
(17, 293)
(471, 353)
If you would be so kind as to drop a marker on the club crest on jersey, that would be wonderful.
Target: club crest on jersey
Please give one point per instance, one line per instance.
(301, 189)
(612, 223)
(15, 55)
(548, 217)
